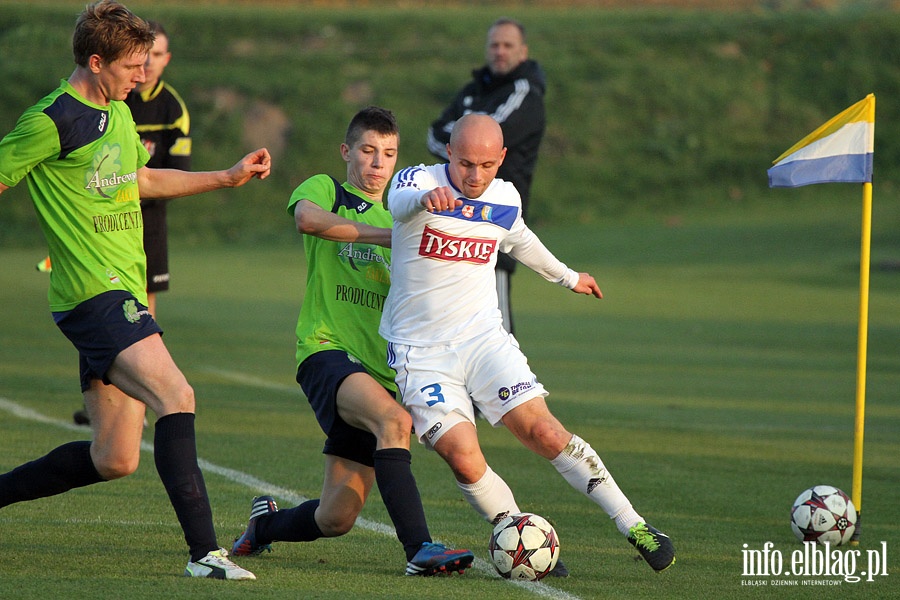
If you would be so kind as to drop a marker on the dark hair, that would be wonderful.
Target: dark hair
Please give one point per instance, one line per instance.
(157, 28)
(509, 21)
(371, 118)
(110, 30)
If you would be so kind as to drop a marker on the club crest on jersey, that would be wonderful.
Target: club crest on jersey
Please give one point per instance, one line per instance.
(468, 211)
(443, 246)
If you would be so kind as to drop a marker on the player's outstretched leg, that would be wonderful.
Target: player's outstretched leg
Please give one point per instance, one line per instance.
(246, 544)
(580, 465)
(437, 559)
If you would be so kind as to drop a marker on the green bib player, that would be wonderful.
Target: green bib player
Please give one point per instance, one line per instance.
(86, 171)
(342, 361)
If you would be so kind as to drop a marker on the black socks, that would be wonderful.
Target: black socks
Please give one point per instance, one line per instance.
(64, 468)
(393, 474)
(175, 454)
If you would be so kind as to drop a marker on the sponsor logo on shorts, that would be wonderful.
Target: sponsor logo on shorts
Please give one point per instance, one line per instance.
(507, 393)
(443, 246)
(132, 314)
(431, 432)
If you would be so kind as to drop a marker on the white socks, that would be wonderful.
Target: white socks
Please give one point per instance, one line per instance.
(579, 464)
(490, 496)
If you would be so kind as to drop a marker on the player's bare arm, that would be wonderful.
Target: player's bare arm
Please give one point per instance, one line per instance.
(587, 285)
(3, 188)
(440, 199)
(312, 219)
(172, 183)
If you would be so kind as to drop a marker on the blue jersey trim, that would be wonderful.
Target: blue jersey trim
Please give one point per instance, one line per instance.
(77, 124)
(483, 212)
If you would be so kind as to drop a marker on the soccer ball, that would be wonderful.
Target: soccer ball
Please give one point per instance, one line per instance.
(524, 546)
(823, 514)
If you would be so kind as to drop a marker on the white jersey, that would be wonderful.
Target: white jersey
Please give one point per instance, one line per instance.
(443, 288)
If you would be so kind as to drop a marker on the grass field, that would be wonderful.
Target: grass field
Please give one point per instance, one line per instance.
(716, 379)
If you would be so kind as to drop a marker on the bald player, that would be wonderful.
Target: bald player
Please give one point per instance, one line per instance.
(446, 337)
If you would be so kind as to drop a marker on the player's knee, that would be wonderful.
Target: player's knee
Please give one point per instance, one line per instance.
(116, 467)
(547, 437)
(395, 430)
(336, 524)
(468, 466)
(180, 400)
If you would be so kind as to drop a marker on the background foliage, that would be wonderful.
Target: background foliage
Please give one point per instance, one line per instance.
(650, 110)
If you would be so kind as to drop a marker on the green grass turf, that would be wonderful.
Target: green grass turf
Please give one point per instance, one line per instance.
(716, 379)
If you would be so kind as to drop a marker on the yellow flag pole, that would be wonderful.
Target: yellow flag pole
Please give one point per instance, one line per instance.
(864, 266)
(859, 428)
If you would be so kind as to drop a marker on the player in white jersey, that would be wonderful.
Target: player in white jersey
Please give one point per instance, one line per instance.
(446, 338)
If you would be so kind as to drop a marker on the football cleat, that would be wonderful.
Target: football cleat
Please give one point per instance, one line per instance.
(216, 565)
(436, 559)
(560, 570)
(246, 544)
(655, 546)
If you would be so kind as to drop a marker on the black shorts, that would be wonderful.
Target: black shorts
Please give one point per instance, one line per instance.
(100, 328)
(156, 244)
(320, 376)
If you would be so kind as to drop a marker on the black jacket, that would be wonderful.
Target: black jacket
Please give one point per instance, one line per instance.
(516, 101)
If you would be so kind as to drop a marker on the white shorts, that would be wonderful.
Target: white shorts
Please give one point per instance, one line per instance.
(442, 385)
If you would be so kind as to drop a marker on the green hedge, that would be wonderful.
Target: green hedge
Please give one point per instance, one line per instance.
(648, 110)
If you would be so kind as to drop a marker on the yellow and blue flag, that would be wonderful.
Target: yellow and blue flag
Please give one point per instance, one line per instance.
(840, 151)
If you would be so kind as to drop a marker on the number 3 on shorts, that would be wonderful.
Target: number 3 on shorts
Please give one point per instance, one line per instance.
(434, 391)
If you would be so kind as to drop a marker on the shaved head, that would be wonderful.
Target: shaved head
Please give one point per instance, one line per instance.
(478, 129)
(475, 153)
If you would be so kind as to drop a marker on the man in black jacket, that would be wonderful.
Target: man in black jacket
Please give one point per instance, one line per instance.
(510, 88)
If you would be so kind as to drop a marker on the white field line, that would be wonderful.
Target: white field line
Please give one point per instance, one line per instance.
(261, 487)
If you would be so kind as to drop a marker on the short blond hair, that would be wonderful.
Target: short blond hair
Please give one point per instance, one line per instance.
(109, 30)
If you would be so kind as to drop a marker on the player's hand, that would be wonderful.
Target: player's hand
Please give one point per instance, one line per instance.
(440, 199)
(256, 164)
(587, 285)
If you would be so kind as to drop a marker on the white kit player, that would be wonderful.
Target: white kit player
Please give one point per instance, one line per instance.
(446, 337)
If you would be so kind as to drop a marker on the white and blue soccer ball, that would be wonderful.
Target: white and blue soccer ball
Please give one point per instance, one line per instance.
(823, 513)
(524, 546)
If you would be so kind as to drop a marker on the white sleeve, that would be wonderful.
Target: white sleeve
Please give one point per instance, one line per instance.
(528, 249)
(404, 198)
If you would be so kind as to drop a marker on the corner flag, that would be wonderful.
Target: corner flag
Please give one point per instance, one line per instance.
(840, 151)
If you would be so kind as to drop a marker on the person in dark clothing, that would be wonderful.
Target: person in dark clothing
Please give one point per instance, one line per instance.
(510, 88)
(164, 124)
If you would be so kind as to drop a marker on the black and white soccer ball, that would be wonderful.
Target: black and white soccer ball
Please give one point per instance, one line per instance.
(524, 546)
(823, 513)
